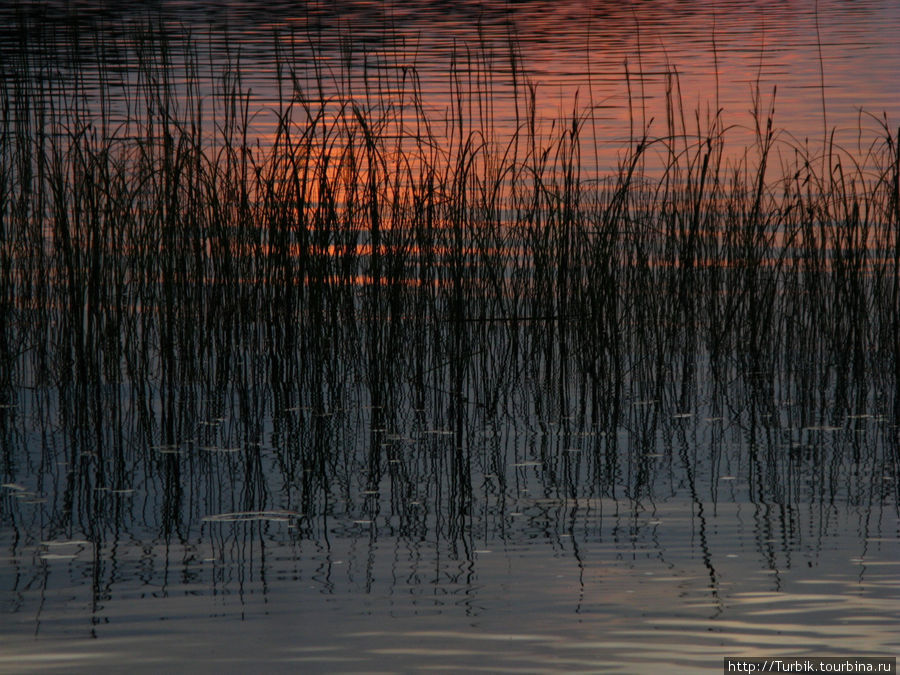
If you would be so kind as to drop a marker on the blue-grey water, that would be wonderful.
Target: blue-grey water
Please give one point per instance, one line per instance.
(333, 511)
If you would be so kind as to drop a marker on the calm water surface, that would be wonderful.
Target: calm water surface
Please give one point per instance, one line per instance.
(674, 539)
(324, 512)
(818, 68)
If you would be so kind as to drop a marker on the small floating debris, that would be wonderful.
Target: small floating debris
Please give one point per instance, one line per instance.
(66, 542)
(524, 464)
(369, 492)
(439, 432)
(726, 477)
(238, 516)
(797, 447)
(167, 449)
(682, 415)
(362, 522)
(14, 487)
(821, 428)
(215, 448)
(57, 556)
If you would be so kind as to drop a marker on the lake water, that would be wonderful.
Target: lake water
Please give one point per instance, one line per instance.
(405, 494)
(662, 69)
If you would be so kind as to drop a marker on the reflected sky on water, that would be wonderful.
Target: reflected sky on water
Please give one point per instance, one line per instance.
(618, 66)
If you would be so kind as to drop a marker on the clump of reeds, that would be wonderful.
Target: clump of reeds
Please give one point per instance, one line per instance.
(369, 244)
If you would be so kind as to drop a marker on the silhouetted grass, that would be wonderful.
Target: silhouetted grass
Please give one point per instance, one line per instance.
(163, 269)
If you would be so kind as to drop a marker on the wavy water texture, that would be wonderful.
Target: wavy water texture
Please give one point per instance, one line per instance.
(305, 352)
